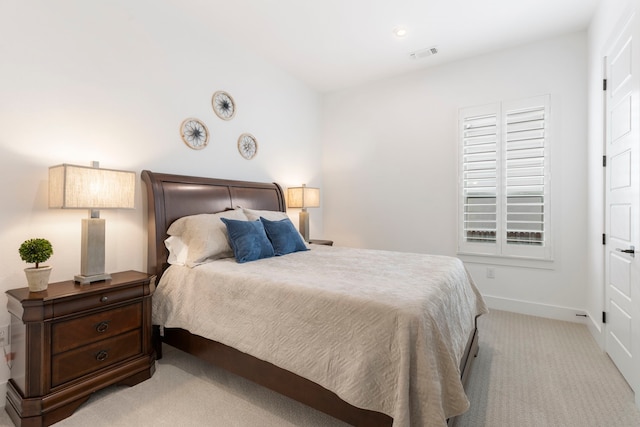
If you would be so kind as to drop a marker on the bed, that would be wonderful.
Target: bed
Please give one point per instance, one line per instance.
(338, 323)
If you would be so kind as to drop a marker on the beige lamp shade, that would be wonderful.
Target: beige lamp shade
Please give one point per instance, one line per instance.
(81, 187)
(303, 197)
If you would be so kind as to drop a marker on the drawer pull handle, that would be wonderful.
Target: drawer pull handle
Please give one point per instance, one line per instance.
(102, 327)
(102, 356)
(104, 299)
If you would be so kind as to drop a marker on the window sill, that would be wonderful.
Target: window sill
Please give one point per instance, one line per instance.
(509, 261)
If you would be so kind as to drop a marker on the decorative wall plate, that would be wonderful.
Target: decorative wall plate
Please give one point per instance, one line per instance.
(247, 146)
(223, 105)
(194, 133)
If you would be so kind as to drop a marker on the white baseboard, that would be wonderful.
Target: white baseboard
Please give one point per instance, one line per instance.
(596, 329)
(567, 314)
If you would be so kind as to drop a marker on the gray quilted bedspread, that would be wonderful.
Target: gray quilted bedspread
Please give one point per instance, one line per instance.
(383, 330)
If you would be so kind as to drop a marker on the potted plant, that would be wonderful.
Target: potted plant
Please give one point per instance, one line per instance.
(35, 251)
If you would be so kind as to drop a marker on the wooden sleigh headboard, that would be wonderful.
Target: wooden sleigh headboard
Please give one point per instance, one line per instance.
(170, 197)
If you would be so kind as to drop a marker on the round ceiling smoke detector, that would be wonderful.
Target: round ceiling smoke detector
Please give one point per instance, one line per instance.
(423, 53)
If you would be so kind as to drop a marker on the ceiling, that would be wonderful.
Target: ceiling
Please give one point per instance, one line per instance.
(333, 44)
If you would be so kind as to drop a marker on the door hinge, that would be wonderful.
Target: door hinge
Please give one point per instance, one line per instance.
(604, 239)
(604, 84)
(604, 317)
(604, 161)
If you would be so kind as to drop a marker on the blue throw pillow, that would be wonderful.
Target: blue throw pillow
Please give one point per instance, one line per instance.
(248, 240)
(284, 237)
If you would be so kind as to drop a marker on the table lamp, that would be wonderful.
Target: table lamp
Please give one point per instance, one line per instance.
(83, 187)
(303, 197)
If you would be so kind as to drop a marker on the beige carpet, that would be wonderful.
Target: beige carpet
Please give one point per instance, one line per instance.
(530, 372)
(539, 372)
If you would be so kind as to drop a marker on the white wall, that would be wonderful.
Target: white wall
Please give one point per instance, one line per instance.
(610, 14)
(390, 165)
(112, 81)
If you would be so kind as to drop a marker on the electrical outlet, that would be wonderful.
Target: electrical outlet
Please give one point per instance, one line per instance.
(4, 336)
(491, 273)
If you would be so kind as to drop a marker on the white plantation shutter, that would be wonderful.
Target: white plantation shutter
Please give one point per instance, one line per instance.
(504, 179)
(525, 177)
(480, 179)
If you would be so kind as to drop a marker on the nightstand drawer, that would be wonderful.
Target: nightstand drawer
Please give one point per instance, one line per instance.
(75, 363)
(102, 299)
(85, 330)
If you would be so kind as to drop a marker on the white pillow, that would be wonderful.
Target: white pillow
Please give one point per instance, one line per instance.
(254, 215)
(205, 236)
(177, 250)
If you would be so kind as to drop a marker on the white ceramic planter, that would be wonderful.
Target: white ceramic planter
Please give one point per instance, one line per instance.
(38, 278)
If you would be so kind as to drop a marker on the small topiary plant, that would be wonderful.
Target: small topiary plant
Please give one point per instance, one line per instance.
(35, 251)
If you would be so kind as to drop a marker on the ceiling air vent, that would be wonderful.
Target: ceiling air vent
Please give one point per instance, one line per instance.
(423, 53)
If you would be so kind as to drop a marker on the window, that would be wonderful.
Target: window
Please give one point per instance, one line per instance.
(505, 179)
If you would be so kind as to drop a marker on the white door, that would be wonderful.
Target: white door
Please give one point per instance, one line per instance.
(622, 264)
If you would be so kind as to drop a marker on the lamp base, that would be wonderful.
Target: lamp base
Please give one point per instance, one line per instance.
(303, 225)
(85, 280)
(92, 252)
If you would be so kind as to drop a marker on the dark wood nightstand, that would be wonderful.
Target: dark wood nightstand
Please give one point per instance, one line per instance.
(321, 242)
(72, 340)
